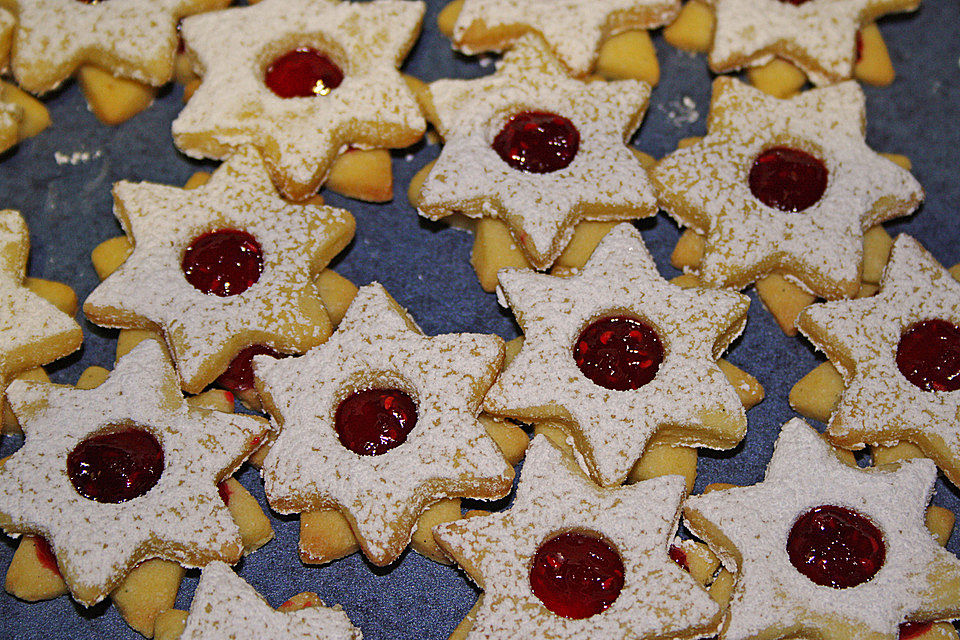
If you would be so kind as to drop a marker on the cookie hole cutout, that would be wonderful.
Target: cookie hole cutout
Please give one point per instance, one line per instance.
(788, 178)
(224, 263)
(302, 72)
(238, 376)
(371, 422)
(836, 547)
(928, 355)
(618, 352)
(115, 466)
(576, 574)
(537, 142)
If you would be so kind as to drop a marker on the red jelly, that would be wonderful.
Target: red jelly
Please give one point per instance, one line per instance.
(302, 73)
(787, 179)
(910, 630)
(679, 556)
(238, 376)
(537, 142)
(929, 355)
(116, 467)
(836, 547)
(45, 554)
(795, 3)
(225, 263)
(618, 353)
(225, 492)
(576, 575)
(373, 421)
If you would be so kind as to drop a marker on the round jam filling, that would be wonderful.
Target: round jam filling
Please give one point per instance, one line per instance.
(909, 630)
(116, 467)
(787, 179)
(928, 355)
(618, 353)
(238, 375)
(836, 547)
(224, 262)
(372, 422)
(537, 142)
(795, 3)
(576, 575)
(302, 73)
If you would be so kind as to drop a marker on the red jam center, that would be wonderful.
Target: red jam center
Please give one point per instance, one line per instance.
(116, 467)
(224, 262)
(576, 575)
(679, 556)
(238, 376)
(374, 421)
(795, 3)
(929, 355)
(909, 630)
(45, 554)
(537, 142)
(303, 73)
(836, 547)
(787, 179)
(618, 353)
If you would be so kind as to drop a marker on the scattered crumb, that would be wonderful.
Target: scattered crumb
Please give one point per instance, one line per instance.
(681, 112)
(76, 157)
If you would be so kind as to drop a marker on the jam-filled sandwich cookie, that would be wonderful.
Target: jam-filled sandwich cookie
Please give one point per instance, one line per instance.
(122, 473)
(538, 150)
(380, 422)
(570, 559)
(220, 268)
(616, 354)
(784, 186)
(899, 355)
(301, 80)
(823, 549)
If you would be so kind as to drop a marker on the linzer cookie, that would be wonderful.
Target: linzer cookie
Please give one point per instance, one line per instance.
(122, 473)
(785, 186)
(570, 559)
(380, 422)
(899, 355)
(824, 549)
(616, 354)
(301, 80)
(220, 268)
(819, 36)
(537, 149)
(573, 30)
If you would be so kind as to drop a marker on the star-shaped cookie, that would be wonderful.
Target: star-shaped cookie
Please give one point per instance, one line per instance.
(300, 136)
(447, 454)
(573, 29)
(819, 36)
(707, 187)
(750, 526)
(32, 331)
(180, 518)
(226, 607)
(281, 309)
(658, 598)
(689, 399)
(133, 39)
(604, 180)
(880, 405)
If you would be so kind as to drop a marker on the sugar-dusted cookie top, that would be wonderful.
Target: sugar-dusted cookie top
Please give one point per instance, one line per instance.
(823, 549)
(819, 36)
(380, 422)
(32, 331)
(129, 38)
(784, 185)
(899, 354)
(616, 354)
(122, 473)
(570, 559)
(221, 267)
(573, 29)
(226, 607)
(576, 166)
(301, 80)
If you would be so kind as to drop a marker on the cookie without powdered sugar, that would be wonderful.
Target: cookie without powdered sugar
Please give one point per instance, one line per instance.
(380, 422)
(825, 550)
(576, 167)
(301, 80)
(616, 354)
(784, 185)
(220, 268)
